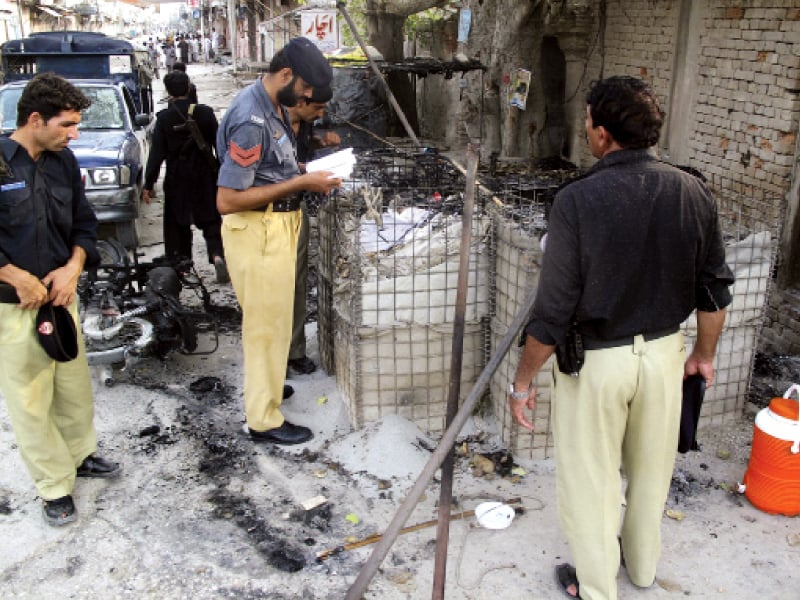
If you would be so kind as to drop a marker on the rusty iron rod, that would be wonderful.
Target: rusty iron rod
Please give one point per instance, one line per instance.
(454, 388)
(375, 537)
(389, 95)
(359, 586)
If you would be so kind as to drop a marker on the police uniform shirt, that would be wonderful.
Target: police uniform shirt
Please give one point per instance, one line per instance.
(256, 147)
(44, 212)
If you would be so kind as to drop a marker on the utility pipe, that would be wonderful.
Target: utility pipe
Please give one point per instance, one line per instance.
(454, 388)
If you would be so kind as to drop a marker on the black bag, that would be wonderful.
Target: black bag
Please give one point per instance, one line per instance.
(694, 389)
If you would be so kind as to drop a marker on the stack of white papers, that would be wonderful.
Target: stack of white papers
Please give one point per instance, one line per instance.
(340, 164)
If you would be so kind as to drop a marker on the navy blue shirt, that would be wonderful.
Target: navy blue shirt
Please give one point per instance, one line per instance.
(255, 146)
(633, 247)
(44, 213)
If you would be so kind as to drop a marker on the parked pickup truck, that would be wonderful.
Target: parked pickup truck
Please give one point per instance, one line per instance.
(112, 146)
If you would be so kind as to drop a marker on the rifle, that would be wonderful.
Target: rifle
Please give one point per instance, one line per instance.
(190, 125)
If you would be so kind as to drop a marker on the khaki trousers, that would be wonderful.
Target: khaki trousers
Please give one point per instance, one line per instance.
(261, 251)
(297, 349)
(50, 403)
(623, 410)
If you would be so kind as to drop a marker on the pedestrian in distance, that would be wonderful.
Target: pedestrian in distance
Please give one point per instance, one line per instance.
(170, 56)
(633, 248)
(47, 236)
(259, 195)
(190, 188)
(303, 115)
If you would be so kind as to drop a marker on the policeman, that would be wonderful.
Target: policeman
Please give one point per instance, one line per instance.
(303, 115)
(47, 233)
(259, 189)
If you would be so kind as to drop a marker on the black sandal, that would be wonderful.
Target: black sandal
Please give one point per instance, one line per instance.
(567, 576)
(59, 511)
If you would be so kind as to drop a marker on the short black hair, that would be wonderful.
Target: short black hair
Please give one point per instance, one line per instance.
(179, 65)
(279, 61)
(177, 83)
(48, 94)
(628, 108)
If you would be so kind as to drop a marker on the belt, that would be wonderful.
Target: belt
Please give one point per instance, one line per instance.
(287, 204)
(590, 343)
(8, 294)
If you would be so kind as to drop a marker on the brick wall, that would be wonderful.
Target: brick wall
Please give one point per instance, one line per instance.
(743, 122)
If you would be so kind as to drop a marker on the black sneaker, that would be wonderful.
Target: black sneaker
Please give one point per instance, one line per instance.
(302, 365)
(59, 512)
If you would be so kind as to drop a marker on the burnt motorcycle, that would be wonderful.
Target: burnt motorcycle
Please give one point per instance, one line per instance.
(131, 310)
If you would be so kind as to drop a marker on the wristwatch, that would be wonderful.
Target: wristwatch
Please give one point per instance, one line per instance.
(515, 395)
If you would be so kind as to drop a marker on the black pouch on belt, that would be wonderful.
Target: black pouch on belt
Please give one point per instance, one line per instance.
(570, 354)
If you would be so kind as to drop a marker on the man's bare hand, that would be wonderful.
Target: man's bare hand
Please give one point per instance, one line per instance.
(147, 196)
(63, 282)
(518, 407)
(320, 182)
(32, 292)
(331, 138)
(697, 364)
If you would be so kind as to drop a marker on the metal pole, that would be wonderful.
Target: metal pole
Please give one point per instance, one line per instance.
(454, 389)
(392, 100)
(232, 31)
(359, 586)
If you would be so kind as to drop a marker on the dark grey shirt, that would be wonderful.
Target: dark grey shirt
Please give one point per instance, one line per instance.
(43, 211)
(633, 247)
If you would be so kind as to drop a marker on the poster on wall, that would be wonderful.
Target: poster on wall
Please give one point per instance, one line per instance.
(321, 27)
(518, 92)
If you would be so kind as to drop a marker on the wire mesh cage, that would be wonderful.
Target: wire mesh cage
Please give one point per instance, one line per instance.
(389, 261)
(519, 214)
(751, 224)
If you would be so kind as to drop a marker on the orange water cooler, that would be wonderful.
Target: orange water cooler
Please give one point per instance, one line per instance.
(772, 479)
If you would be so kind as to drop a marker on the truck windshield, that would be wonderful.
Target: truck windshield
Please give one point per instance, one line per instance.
(104, 113)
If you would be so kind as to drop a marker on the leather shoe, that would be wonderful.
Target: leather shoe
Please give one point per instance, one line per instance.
(95, 466)
(287, 434)
(302, 365)
(288, 391)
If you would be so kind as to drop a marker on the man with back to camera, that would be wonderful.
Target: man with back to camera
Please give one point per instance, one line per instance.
(633, 248)
(303, 115)
(47, 233)
(190, 186)
(259, 194)
(192, 95)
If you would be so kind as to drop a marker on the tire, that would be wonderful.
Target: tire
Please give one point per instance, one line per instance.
(127, 233)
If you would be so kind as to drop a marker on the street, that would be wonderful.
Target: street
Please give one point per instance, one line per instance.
(200, 511)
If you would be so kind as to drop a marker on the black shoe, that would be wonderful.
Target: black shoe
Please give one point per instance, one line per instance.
(302, 365)
(59, 511)
(288, 391)
(221, 270)
(94, 466)
(287, 434)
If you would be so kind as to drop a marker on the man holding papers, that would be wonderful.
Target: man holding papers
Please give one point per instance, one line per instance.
(259, 189)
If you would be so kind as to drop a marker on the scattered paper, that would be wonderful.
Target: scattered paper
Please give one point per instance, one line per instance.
(340, 164)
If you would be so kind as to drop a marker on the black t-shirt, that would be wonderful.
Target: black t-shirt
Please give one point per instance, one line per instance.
(633, 247)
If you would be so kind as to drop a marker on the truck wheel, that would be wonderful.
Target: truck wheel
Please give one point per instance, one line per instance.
(128, 234)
